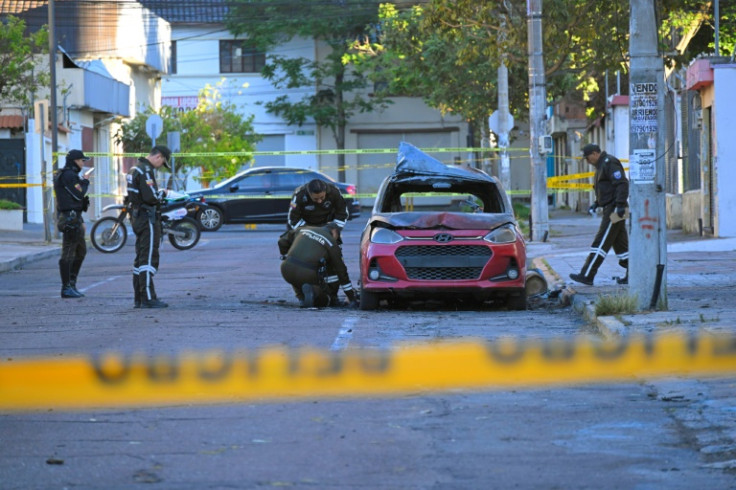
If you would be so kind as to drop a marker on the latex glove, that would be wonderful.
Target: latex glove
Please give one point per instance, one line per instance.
(620, 211)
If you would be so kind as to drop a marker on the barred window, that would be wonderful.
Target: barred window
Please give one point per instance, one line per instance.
(236, 56)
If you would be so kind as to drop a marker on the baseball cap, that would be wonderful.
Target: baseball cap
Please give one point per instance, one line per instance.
(590, 148)
(76, 155)
(165, 152)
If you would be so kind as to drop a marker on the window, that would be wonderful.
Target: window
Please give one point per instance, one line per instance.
(255, 182)
(238, 57)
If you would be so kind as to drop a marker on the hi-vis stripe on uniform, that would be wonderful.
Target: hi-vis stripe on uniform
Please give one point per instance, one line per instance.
(115, 380)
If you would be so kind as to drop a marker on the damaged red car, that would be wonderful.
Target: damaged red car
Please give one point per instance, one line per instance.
(441, 232)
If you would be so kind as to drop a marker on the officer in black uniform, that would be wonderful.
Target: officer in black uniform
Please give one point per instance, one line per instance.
(316, 203)
(314, 251)
(145, 198)
(72, 201)
(611, 191)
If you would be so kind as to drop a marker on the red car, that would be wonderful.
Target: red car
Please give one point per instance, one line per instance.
(439, 231)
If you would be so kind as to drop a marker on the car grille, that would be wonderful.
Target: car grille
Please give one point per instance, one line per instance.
(443, 262)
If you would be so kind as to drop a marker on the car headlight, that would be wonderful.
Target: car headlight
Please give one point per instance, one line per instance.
(385, 236)
(502, 234)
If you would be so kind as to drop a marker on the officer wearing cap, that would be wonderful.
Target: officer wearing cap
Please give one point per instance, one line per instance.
(314, 251)
(71, 202)
(145, 198)
(611, 192)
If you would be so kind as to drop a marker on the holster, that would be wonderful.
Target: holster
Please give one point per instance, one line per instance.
(69, 222)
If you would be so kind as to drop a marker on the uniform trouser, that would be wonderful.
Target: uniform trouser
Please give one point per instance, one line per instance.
(147, 241)
(73, 251)
(298, 275)
(609, 235)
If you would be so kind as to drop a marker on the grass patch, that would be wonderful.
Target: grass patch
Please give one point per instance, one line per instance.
(522, 212)
(615, 305)
(9, 205)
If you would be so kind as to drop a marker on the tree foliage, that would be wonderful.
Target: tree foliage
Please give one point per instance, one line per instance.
(448, 50)
(20, 77)
(214, 126)
(335, 92)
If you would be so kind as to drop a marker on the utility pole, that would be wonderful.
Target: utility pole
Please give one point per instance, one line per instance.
(648, 244)
(46, 189)
(537, 104)
(505, 121)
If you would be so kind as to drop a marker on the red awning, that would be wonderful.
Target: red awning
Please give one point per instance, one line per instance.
(11, 122)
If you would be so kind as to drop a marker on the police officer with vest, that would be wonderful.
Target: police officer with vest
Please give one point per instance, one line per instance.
(611, 191)
(316, 203)
(71, 202)
(314, 251)
(145, 198)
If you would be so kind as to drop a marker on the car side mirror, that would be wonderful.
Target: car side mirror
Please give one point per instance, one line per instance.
(234, 188)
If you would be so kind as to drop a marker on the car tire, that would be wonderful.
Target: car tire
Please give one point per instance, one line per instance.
(517, 302)
(210, 219)
(368, 301)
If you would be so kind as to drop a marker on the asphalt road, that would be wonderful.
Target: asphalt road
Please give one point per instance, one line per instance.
(227, 293)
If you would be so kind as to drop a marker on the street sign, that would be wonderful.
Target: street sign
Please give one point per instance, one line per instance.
(173, 141)
(154, 126)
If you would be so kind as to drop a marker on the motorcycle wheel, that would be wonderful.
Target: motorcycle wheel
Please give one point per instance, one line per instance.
(210, 218)
(108, 235)
(189, 231)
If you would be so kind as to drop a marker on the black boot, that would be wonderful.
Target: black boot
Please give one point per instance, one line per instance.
(67, 291)
(73, 273)
(136, 292)
(308, 293)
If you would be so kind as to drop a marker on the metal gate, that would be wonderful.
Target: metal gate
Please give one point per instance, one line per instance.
(13, 171)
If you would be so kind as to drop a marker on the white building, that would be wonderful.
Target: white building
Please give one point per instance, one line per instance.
(204, 52)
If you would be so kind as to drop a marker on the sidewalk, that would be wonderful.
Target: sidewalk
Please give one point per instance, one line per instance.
(21, 247)
(701, 273)
(701, 277)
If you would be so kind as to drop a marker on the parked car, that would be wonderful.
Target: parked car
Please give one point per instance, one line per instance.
(439, 231)
(262, 195)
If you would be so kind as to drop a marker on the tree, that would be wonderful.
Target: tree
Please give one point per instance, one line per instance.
(337, 91)
(447, 50)
(20, 78)
(214, 126)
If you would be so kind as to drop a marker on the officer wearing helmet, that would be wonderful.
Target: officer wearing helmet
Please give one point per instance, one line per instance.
(315, 251)
(71, 202)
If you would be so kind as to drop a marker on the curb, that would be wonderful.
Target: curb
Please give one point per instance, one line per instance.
(608, 326)
(18, 262)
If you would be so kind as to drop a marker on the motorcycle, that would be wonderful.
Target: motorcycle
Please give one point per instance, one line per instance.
(109, 234)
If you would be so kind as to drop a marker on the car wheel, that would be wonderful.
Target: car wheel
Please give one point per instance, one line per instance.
(210, 219)
(368, 301)
(517, 302)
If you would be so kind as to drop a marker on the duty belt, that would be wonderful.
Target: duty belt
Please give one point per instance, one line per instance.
(301, 263)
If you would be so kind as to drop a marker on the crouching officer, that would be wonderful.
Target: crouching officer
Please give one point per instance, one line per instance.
(145, 198)
(316, 203)
(314, 251)
(71, 202)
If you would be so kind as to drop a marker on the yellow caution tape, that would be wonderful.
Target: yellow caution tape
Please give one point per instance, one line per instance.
(279, 373)
(364, 151)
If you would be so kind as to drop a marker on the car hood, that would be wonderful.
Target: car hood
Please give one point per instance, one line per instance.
(432, 220)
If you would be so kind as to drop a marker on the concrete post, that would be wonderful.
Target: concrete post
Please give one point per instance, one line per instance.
(647, 198)
(537, 104)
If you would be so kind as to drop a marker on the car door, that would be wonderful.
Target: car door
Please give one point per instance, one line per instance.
(287, 180)
(250, 198)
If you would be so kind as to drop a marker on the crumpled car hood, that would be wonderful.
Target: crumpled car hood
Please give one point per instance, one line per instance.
(430, 220)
